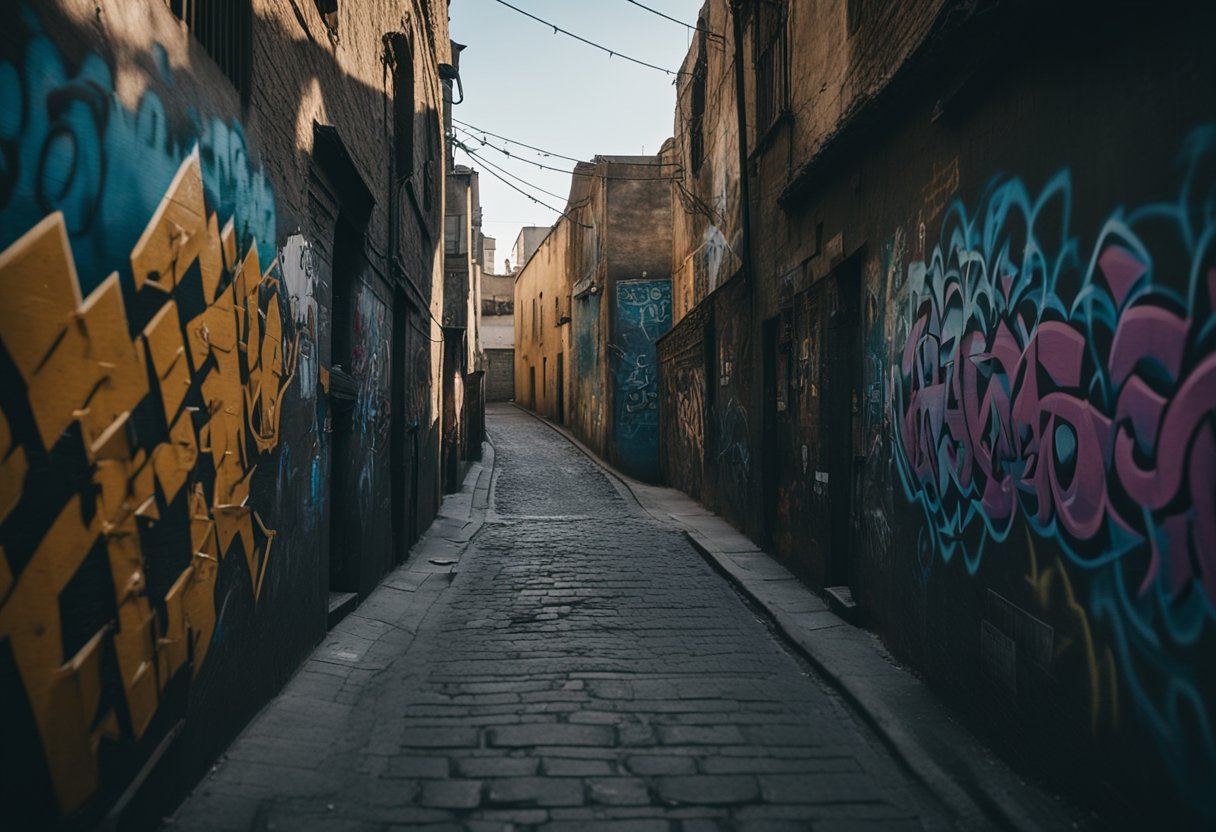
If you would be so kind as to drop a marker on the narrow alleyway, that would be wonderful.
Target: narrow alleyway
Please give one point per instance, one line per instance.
(584, 668)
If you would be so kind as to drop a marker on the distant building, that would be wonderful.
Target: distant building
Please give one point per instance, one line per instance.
(497, 327)
(463, 408)
(489, 255)
(529, 239)
(592, 300)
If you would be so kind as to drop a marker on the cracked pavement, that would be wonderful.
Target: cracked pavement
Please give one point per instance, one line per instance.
(579, 666)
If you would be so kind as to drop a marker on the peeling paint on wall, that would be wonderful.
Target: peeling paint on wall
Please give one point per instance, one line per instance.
(299, 264)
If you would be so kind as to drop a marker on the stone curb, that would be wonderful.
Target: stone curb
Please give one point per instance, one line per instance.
(981, 791)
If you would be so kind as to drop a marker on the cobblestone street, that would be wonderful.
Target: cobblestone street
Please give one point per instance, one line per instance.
(579, 667)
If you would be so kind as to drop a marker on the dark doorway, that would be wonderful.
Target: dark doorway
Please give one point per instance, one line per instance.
(841, 406)
(343, 520)
(770, 460)
(404, 509)
(561, 388)
(532, 387)
(453, 407)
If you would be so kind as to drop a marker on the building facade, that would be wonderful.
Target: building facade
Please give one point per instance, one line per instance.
(497, 327)
(219, 408)
(463, 371)
(526, 243)
(590, 304)
(939, 327)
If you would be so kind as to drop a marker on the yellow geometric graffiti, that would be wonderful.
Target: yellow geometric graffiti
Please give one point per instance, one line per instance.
(81, 365)
(1100, 665)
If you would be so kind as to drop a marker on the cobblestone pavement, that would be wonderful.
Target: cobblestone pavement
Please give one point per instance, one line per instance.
(584, 669)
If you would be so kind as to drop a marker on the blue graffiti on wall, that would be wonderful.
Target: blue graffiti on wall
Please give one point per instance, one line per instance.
(1072, 390)
(68, 143)
(643, 315)
(137, 423)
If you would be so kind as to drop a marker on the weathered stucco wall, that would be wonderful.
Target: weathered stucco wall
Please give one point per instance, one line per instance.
(538, 336)
(706, 230)
(978, 337)
(165, 451)
(500, 375)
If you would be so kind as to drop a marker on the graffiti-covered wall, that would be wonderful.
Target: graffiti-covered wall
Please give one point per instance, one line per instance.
(1059, 390)
(164, 393)
(590, 304)
(642, 316)
(983, 327)
(587, 408)
(1037, 413)
(683, 374)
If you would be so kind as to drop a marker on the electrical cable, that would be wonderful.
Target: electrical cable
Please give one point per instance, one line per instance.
(425, 334)
(525, 193)
(488, 163)
(511, 155)
(542, 166)
(709, 32)
(611, 52)
(505, 152)
(473, 130)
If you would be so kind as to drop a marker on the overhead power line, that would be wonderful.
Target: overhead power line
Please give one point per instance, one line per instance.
(520, 190)
(476, 129)
(709, 32)
(601, 47)
(504, 171)
(473, 130)
(505, 152)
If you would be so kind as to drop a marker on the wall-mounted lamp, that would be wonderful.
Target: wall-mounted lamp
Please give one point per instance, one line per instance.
(447, 72)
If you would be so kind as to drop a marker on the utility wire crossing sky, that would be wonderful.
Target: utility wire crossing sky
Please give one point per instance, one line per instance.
(534, 95)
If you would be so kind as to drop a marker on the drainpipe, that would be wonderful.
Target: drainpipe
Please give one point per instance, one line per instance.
(736, 13)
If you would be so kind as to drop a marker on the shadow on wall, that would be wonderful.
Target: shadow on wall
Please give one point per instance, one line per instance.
(1073, 393)
(160, 354)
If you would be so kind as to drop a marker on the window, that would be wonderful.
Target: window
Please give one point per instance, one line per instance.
(772, 64)
(329, 16)
(856, 12)
(225, 30)
(431, 170)
(453, 234)
(696, 129)
(403, 106)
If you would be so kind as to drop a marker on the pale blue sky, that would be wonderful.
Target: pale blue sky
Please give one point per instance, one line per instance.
(526, 83)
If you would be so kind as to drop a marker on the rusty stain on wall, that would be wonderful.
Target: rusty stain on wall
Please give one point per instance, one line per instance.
(82, 366)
